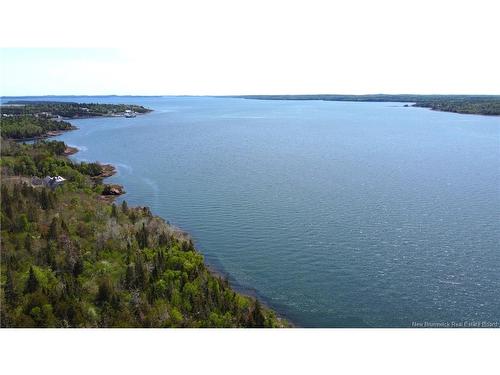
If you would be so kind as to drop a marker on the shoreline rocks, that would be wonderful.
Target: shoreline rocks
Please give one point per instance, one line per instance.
(70, 151)
(108, 170)
(113, 190)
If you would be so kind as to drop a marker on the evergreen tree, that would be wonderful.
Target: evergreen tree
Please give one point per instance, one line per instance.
(25, 189)
(78, 267)
(16, 193)
(129, 277)
(64, 226)
(140, 273)
(129, 253)
(5, 196)
(114, 212)
(105, 292)
(22, 223)
(10, 290)
(4, 191)
(49, 254)
(163, 239)
(51, 199)
(142, 237)
(28, 244)
(52, 235)
(44, 199)
(257, 319)
(32, 213)
(7, 206)
(32, 282)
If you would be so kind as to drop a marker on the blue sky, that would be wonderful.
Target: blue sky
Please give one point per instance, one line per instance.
(47, 71)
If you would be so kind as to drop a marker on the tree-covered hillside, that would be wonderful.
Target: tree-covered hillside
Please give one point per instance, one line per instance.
(479, 106)
(70, 258)
(23, 127)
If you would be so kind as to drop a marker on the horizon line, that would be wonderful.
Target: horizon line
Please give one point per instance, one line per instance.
(234, 95)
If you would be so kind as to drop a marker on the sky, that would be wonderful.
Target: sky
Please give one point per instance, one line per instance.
(226, 47)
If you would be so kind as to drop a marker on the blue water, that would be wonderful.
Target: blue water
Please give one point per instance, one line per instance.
(334, 213)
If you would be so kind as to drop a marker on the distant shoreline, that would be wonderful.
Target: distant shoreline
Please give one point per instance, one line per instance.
(25, 120)
(486, 105)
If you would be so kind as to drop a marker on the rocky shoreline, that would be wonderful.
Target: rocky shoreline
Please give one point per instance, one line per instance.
(110, 191)
(70, 151)
(108, 170)
(113, 190)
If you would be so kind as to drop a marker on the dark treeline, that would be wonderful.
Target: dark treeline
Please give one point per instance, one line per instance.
(465, 106)
(45, 158)
(470, 104)
(71, 259)
(23, 127)
(67, 109)
(32, 119)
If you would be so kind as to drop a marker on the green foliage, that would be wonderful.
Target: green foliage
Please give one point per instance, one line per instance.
(44, 158)
(469, 104)
(465, 106)
(48, 109)
(38, 119)
(70, 259)
(32, 283)
(21, 127)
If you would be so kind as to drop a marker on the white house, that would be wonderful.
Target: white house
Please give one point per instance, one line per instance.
(53, 182)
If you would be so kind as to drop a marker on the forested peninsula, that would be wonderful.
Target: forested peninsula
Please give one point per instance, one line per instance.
(68, 110)
(70, 257)
(465, 104)
(25, 119)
